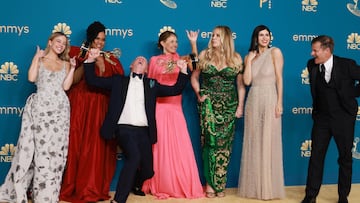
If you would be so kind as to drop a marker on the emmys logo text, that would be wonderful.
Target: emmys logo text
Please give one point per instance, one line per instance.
(11, 29)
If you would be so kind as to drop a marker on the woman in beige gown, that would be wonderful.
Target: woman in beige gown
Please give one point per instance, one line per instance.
(261, 170)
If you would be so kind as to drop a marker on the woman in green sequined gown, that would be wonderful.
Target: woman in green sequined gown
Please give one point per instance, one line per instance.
(221, 99)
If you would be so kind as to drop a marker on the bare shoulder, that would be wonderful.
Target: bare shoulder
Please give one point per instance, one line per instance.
(276, 51)
(67, 64)
(246, 58)
(202, 53)
(238, 57)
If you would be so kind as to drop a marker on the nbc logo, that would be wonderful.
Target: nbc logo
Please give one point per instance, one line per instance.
(9, 72)
(358, 114)
(62, 27)
(309, 5)
(166, 28)
(353, 41)
(306, 148)
(355, 153)
(7, 152)
(218, 3)
(305, 76)
(264, 1)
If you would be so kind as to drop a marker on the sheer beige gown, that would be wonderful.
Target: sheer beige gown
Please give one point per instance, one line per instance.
(261, 170)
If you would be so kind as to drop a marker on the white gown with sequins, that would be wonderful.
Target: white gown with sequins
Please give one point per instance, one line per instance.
(41, 151)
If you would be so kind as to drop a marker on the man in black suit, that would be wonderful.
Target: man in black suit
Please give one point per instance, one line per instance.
(131, 118)
(332, 83)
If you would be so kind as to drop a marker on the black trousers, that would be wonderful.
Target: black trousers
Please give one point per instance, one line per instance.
(138, 159)
(341, 128)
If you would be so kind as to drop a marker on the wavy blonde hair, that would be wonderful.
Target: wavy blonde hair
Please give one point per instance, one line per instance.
(65, 54)
(227, 51)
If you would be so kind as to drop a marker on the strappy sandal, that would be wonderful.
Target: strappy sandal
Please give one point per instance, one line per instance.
(210, 193)
(220, 194)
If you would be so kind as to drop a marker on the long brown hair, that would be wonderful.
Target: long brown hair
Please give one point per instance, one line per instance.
(163, 37)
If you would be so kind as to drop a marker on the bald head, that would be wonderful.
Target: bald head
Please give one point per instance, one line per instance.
(139, 65)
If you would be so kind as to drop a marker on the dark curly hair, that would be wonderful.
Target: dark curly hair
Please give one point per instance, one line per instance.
(93, 31)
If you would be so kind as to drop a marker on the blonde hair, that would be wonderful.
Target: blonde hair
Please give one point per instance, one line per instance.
(63, 55)
(227, 51)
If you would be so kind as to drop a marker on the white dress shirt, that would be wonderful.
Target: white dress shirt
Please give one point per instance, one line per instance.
(134, 108)
(328, 68)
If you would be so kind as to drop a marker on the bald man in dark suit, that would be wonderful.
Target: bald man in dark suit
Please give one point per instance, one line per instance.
(131, 117)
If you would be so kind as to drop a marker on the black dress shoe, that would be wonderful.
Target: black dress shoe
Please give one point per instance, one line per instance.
(309, 200)
(343, 200)
(138, 191)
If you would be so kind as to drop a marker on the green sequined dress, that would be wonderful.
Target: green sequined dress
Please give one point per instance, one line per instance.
(217, 120)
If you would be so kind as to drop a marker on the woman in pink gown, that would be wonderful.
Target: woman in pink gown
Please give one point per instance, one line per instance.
(176, 171)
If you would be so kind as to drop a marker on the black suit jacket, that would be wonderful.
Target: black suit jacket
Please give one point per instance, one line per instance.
(118, 85)
(345, 73)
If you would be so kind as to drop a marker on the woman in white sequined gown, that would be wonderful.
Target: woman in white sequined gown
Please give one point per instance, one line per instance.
(41, 150)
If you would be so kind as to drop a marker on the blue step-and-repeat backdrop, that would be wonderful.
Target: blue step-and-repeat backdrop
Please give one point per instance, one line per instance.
(133, 27)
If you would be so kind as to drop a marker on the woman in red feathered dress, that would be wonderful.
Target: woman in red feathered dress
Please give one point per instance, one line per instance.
(91, 160)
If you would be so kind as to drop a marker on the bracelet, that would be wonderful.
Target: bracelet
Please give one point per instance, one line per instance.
(194, 60)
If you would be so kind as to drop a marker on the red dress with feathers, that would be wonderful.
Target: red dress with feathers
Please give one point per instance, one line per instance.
(91, 160)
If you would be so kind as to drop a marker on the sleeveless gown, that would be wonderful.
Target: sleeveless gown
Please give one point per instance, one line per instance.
(42, 147)
(217, 121)
(176, 171)
(92, 160)
(261, 170)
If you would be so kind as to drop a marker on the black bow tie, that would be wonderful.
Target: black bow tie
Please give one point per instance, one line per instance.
(137, 74)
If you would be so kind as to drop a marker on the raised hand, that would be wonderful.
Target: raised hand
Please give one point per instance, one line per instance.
(39, 52)
(182, 64)
(73, 62)
(93, 53)
(192, 35)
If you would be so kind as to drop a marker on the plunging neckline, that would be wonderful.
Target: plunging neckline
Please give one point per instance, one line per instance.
(220, 69)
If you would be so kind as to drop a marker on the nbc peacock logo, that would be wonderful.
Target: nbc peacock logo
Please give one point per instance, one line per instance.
(309, 5)
(305, 76)
(7, 152)
(358, 114)
(9, 72)
(355, 150)
(306, 148)
(62, 27)
(353, 41)
(166, 28)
